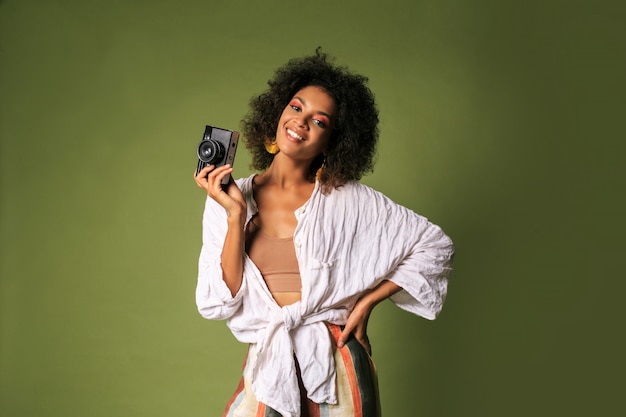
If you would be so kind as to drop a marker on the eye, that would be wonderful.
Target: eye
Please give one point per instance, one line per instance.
(320, 123)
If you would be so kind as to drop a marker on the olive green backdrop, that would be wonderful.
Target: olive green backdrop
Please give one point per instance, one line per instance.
(500, 121)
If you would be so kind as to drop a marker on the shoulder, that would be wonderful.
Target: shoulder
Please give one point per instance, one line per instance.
(350, 188)
(369, 202)
(356, 192)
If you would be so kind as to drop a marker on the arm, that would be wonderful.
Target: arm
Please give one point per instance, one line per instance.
(423, 274)
(232, 262)
(419, 256)
(418, 285)
(233, 202)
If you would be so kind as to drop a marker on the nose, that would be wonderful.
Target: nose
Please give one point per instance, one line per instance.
(302, 121)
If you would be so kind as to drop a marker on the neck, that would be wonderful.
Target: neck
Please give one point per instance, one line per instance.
(287, 173)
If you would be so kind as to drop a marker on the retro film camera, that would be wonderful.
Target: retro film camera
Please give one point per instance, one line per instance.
(217, 148)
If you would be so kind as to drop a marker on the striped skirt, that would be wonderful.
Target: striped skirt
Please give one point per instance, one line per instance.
(357, 387)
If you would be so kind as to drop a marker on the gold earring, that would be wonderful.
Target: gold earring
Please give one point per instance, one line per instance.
(271, 147)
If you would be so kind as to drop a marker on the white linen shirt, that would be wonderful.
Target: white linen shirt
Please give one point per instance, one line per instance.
(346, 242)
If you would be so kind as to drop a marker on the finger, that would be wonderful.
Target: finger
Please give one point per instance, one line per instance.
(216, 179)
(344, 336)
(202, 174)
(201, 184)
(206, 170)
(219, 172)
(200, 181)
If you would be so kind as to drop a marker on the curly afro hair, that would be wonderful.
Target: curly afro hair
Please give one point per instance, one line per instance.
(353, 142)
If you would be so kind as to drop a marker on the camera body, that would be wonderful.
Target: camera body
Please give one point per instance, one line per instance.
(218, 147)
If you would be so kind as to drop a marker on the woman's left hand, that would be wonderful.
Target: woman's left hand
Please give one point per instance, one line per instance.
(357, 325)
(357, 320)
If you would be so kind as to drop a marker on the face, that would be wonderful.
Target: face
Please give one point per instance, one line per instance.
(306, 124)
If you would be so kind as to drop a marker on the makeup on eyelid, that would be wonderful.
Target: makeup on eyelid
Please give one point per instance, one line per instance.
(320, 117)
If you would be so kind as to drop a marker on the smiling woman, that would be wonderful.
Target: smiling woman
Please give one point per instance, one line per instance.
(305, 126)
(297, 256)
(355, 117)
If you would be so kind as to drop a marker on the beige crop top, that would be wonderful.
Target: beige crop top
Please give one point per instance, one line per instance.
(276, 259)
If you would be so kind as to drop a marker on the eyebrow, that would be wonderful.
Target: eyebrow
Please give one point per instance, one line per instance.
(323, 113)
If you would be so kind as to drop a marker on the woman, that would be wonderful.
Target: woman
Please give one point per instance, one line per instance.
(297, 256)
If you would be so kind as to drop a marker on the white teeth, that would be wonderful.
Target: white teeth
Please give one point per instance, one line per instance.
(294, 135)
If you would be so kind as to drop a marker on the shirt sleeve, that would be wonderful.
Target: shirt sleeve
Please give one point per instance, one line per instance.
(213, 298)
(423, 273)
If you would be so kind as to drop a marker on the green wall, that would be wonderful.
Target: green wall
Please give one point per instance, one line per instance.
(500, 121)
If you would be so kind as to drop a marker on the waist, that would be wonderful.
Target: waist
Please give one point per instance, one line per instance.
(284, 298)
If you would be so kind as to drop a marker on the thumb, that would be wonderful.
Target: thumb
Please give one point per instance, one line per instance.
(344, 336)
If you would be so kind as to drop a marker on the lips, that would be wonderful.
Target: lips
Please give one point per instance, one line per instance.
(293, 135)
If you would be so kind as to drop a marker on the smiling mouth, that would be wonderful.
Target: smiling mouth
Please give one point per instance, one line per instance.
(294, 135)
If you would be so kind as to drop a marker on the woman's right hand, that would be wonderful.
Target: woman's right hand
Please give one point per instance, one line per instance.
(229, 197)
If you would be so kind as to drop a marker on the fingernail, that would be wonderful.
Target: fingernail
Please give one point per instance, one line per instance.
(340, 344)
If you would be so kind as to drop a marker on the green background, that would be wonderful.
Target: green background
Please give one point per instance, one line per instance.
(500, 121)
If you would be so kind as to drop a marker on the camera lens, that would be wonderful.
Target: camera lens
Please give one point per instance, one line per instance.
(210, 151)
